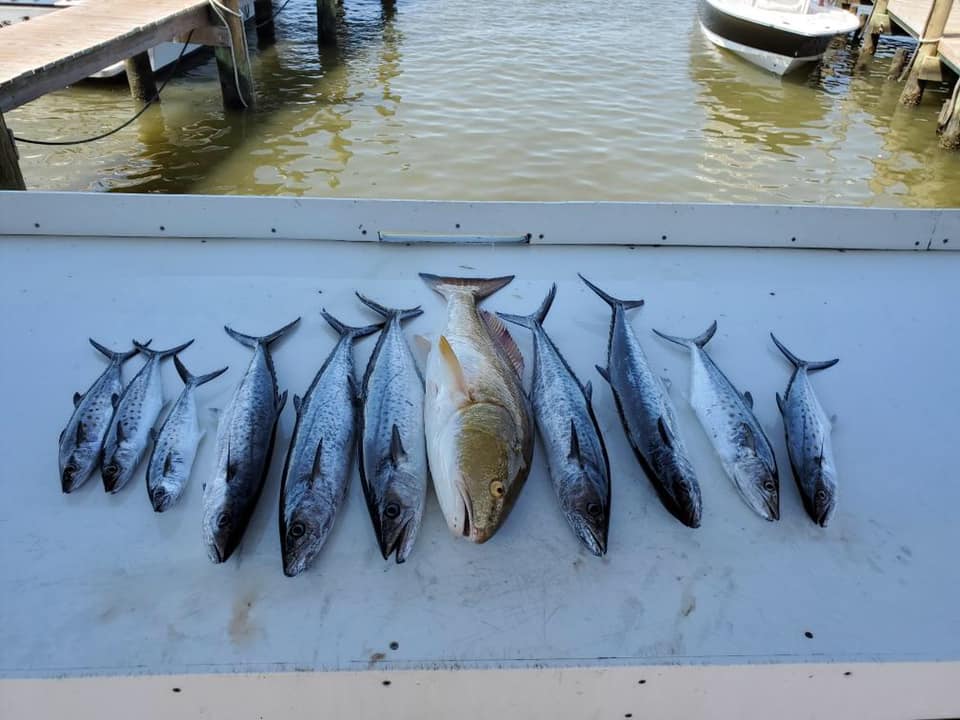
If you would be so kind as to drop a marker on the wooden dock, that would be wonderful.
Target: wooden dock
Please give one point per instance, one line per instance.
(911, 16)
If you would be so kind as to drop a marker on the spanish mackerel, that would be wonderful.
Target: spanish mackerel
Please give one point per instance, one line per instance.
(245, 436)
(176, 444)
(808, 439)
(576, 455)
(727, 417)
(393, 450)
(477, 418)
(320, 459)
(81, 442)
(135, 414)
(648, 416)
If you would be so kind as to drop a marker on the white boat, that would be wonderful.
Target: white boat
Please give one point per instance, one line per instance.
(777, 35)
(161, 56)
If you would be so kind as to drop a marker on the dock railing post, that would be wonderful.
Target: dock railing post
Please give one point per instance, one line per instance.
(233, 61)
(950, 121)
(327, 23)
(263, 16)
(10, 176)
(143, 88)
(878, 23)
(928, 47)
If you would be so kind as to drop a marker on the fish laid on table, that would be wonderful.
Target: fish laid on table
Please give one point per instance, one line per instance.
(320, 458)
(808, 439)
(134, 419)
(81, 442)
(393, 450)
(569, 430)
(478, 420)
(727, 417)
(648, 416)
(176, 445)
(245, 436)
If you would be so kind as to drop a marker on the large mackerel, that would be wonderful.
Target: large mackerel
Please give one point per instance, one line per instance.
(727, 417)
(809, 444)
(648, 415)
(245, 437)
(576, 455)
(81, 442)
(134, 419)
(393, 450)
(320, 459)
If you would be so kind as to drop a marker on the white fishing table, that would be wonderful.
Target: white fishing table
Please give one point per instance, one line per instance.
(110, 610)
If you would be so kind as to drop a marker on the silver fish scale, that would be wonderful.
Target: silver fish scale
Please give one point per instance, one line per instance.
(181, 420)
(137, 411)
(808, 428)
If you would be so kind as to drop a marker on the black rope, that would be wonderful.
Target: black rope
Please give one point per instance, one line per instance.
(140, 112)
(272, 17)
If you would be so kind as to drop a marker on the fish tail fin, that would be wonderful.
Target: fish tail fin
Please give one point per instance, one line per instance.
(353, 332)
(798, 363)
(253, 340)
(390, 313)
(144, 350)
(610, 299)
(119, 356)
(700, 340)
(480, 288)
(195, 380)
(532, 321)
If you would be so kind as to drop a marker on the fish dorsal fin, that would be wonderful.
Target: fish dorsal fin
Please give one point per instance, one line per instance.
(604, 372)
(296, 403)
(780, 403)
(168, 464)
(114, 400)
(449, 358)
(315, 472)
(664, 432)
(121, 436)
(77, 397)
(749, 437)
(574, 445)
(748, 399)
(588, 391)
(503, 338)
(397, 453)
(81, 433)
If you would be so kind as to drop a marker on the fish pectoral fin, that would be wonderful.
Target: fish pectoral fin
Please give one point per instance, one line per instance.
(81, 433)
(574, 445)
(748, 399)
(121, 435)
(452, 364)
(397, 453)
(77, 397)
(780, 403)
(604, 373)
(749, 437)
(114, 400)
(154, 434)
(315, 471)
(665, 433)
(168, 464)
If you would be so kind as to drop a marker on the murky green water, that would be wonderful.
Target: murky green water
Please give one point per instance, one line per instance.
(526, 100)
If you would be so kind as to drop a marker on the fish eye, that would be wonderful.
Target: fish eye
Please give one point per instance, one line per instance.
(69, 470)
(497, 489)
(297, 530)
(769, 486)
(594, 509)
(392, 510)
(111, 470)
(223, 520)
(820, 495)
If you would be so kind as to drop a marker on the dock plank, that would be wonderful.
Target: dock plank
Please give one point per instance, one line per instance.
(60, 48)
(911, 15)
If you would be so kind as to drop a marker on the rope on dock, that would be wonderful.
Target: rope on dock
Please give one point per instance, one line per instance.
(117, 129)
(217, 7)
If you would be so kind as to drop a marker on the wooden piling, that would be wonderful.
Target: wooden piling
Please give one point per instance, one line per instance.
(233, 63)
(327, 23)
(263, 16)
(950, 121)
(928, 48)
(897, 63)
(878, 23)
(10, 176)
(143, 87)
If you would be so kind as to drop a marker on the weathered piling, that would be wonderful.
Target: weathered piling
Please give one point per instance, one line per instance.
(897, 63)
(263, 17)
(925, 65)
(878, 24)
(949, 121)
(233, 62)
(327, 23)
(143, 87)
(10, 176)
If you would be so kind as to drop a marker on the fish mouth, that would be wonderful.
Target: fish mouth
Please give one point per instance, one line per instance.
(110, 474)
(393, 544)
(823, 517)
(594, 540)
(773, 510)
(160, 499)
(68, 477)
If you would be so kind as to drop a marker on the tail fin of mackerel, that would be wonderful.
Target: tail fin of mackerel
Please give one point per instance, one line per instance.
(610, 299)
(798, 363)
(252, 340)
(347, 330)
(161, 354)
(700, 340)
(480, 288)
(195, 380)
(390, 313)
(532, 321)
(119, 356)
